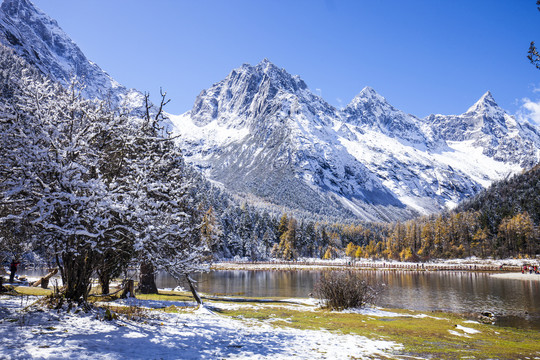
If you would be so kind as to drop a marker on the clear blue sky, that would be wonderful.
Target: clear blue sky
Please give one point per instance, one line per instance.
(425, 57)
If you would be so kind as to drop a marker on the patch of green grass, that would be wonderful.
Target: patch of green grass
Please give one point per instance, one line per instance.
(166, 296)
(427, 336)
(28, 290)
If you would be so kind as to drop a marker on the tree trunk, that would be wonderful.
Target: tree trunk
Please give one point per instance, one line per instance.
(193, 291)
(129, 290)
(45, 279)
(147, 283)
(77, 274)
(104, 281)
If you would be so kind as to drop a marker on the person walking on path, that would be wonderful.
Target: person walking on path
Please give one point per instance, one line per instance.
(13, 269)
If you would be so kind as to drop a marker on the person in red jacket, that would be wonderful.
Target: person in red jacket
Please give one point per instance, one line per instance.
(13, 269)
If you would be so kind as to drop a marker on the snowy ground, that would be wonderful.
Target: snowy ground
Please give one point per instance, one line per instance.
(198, 334)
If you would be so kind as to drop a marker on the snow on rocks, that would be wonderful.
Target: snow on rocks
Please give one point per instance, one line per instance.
(195, 335)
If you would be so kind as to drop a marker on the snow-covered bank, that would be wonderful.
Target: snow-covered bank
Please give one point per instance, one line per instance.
(518, 276)
(193, 335)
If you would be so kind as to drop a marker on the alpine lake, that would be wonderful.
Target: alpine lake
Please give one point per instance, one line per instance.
(512, 302)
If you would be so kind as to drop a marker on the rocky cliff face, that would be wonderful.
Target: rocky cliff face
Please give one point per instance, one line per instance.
(261, 131)
(42, 43)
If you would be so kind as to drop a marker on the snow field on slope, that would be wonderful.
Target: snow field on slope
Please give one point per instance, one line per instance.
(373, 150)
(470, 160)
(213, 134)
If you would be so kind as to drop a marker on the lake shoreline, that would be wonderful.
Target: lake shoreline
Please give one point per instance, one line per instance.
(511, 266)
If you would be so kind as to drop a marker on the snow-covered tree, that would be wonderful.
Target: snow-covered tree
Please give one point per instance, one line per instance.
(51, 175)
(163, 212)
(93, 187)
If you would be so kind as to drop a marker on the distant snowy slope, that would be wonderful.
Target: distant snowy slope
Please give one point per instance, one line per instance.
(370, 111)
(42, 43)
(488, 129)
(262, 131)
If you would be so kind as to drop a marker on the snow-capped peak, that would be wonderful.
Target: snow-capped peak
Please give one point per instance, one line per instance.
(371, 110)
(486, 104)
(368, 94)
(21, 6)
(253, 92)
(265, 64)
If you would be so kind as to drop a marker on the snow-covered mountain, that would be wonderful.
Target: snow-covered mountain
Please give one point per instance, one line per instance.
(488, 127)
(261, 131)
(41, 42)
(370, 111)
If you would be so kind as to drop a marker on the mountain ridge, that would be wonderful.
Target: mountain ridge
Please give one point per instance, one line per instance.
(39, 40)
(371, 159)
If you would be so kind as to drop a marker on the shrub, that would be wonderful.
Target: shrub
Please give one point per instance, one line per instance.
(340, 290)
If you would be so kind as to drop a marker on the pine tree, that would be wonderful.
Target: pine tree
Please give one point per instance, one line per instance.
(283, 225)
(210, 230)
(351, 249)
(287, 245)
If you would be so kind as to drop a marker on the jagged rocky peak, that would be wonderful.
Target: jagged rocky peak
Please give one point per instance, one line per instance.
(488, 127)
(19, 8)
(371, 110)
(279, 76)
(368, 94)
(15, 7)
(251, 92)
(486, 105)
(368, 107)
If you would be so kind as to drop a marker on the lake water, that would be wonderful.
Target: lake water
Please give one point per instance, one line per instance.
(515, 302)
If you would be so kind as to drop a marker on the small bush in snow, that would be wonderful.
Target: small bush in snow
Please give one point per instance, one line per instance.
(340, 290)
